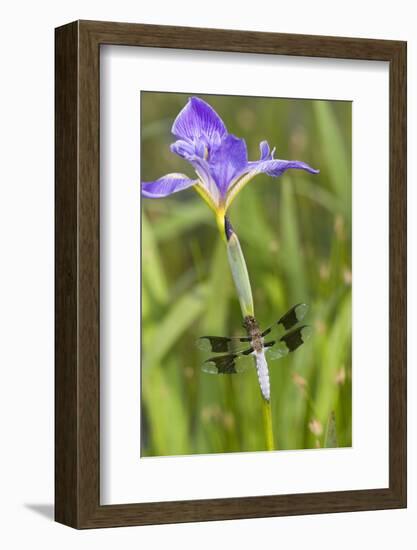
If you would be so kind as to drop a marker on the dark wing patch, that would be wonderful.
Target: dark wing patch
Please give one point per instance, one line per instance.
(296, 337)
(232, 363)
(220, 344)
(291, 318)
(288, 343)
(222, 364)
(269, 344)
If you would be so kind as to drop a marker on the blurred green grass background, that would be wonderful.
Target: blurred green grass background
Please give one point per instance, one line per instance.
(295, 232)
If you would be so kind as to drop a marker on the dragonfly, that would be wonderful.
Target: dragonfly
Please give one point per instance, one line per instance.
(237, 354)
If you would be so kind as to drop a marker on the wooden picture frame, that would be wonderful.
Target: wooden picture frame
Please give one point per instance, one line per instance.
(77, 382)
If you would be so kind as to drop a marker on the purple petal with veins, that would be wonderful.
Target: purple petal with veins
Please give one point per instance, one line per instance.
(162, 187)
(198, 119)
(277, 167)
(227, 161)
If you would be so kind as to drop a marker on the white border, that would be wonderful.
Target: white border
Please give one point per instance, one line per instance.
(124, 476)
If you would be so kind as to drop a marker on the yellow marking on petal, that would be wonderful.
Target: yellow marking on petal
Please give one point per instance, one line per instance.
(219, 210)
(205, 196)
(237, 187)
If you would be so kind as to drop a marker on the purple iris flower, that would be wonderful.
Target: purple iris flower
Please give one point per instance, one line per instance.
(220, 160)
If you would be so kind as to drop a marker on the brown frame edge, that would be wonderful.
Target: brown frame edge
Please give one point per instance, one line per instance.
(77, 376)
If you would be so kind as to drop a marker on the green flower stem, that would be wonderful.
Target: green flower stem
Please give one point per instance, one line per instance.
(244, 291)
(240, 275)
(267, 415)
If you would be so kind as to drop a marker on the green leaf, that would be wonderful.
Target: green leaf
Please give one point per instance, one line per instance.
(181, 218)
(336, 348)
(337, 165)
(330, 439)
(161, 392)
(183, 313)
(152, 270)
(291, 253)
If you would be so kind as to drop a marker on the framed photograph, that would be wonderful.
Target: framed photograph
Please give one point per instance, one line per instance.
(230, 274)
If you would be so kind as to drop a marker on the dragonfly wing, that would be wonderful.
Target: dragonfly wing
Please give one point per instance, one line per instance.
(288, 343)
(221, 344)
(293, 316)
(277, 352)
(232, 363)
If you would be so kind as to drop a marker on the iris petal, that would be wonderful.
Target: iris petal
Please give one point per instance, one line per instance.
(273, 167)
(198, 119)
(183, 148)
(206, 179)
(228, 160)
(188, 151)
(277, 167)
(264, 150)
(162, 187)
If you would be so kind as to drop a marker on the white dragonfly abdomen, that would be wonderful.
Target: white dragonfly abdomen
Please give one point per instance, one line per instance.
(263, 374)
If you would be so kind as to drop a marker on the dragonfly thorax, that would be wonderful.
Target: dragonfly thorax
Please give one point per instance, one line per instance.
(254, 333)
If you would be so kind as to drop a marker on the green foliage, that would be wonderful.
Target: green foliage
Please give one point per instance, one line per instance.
(295, 232)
